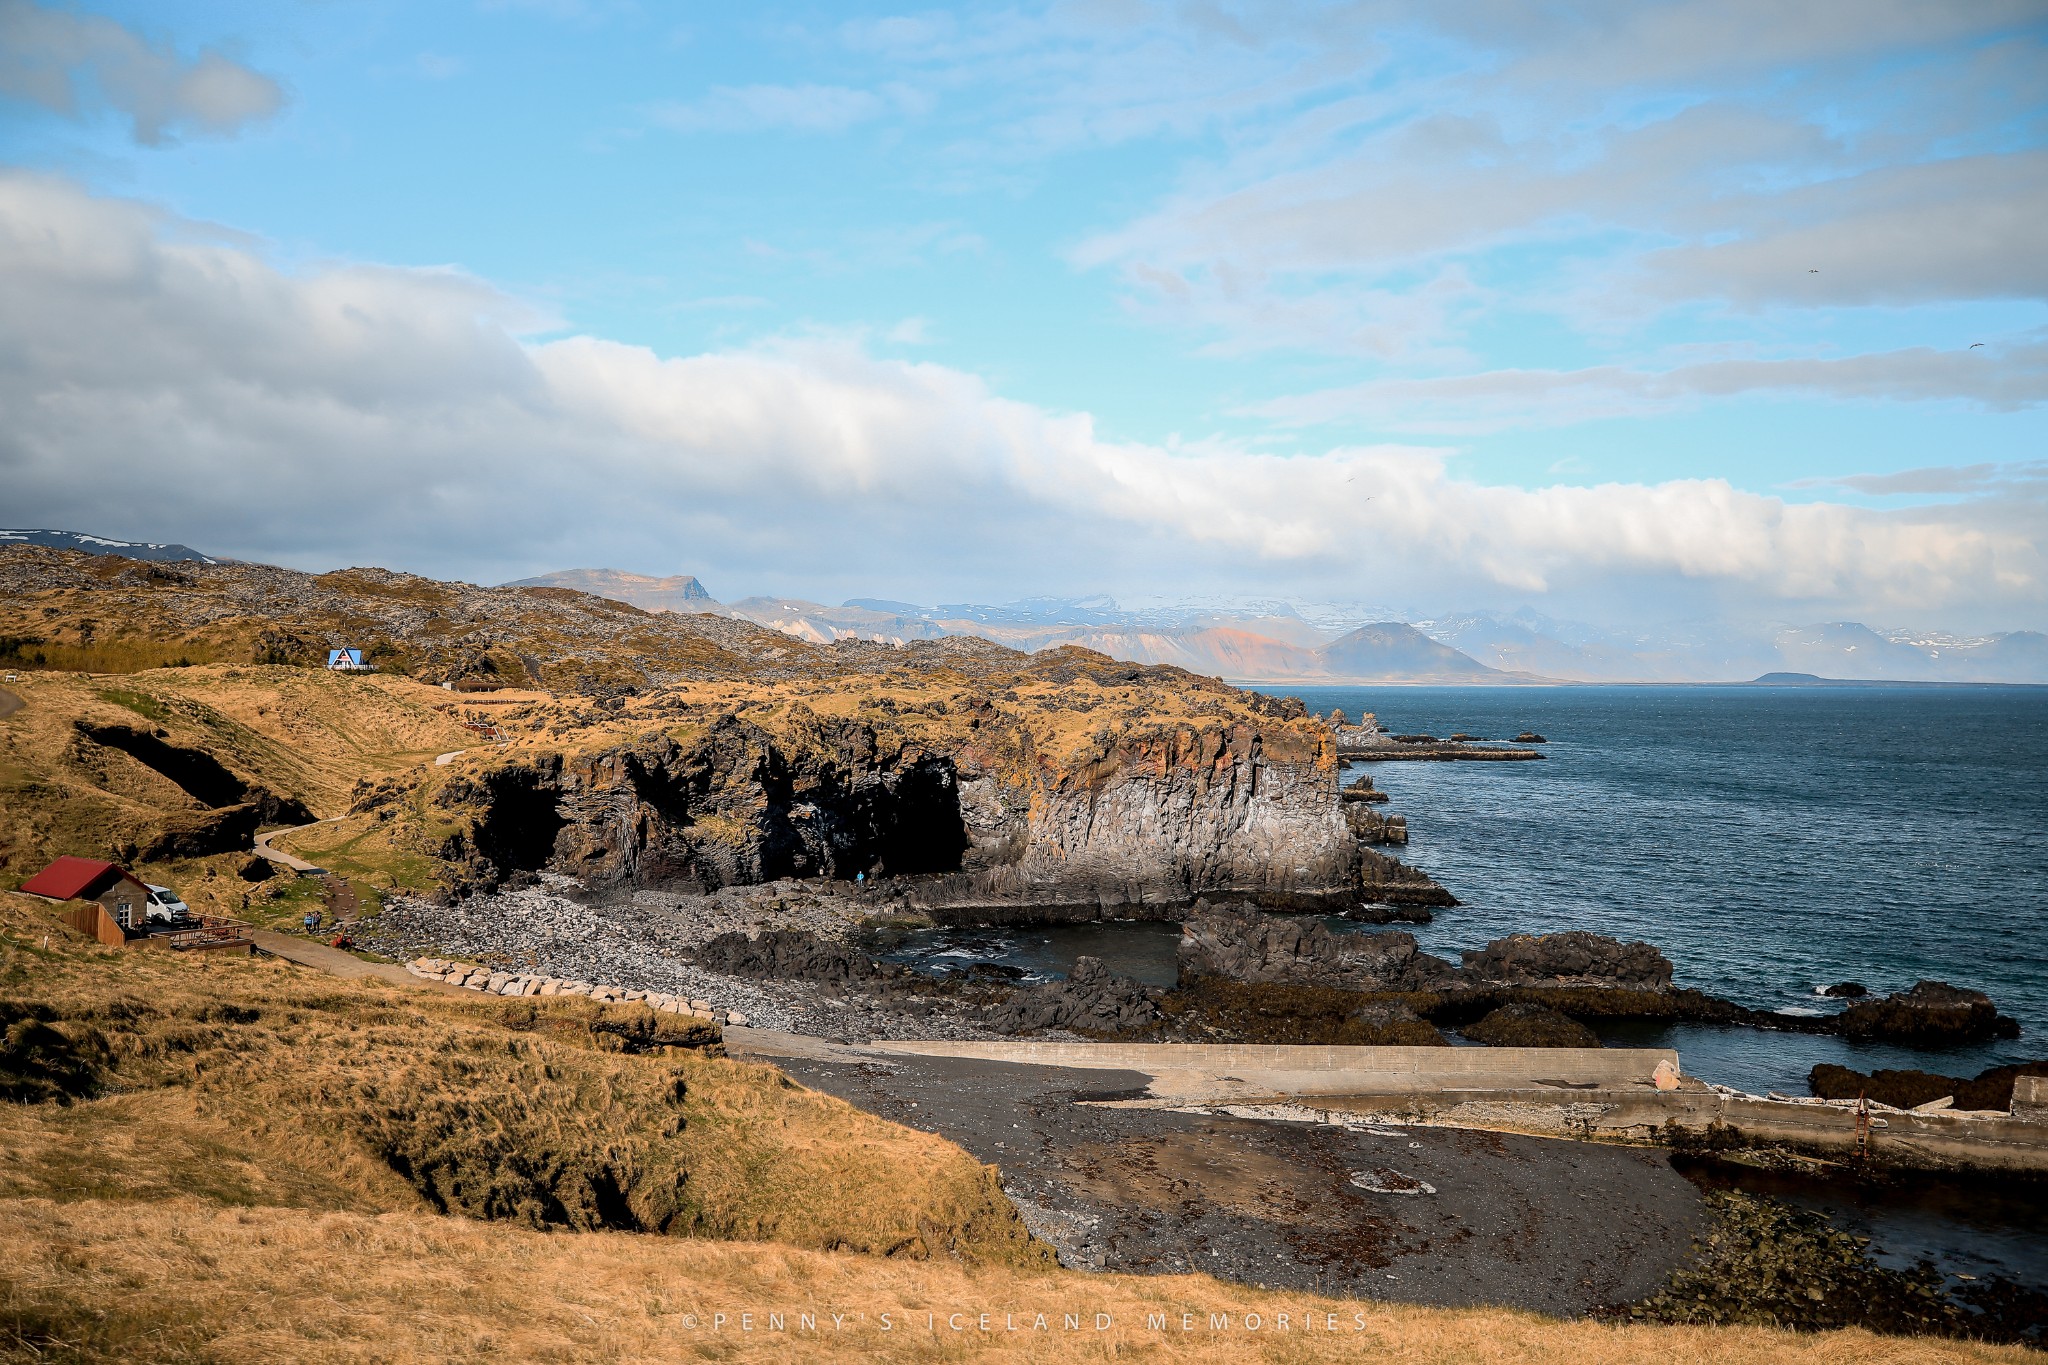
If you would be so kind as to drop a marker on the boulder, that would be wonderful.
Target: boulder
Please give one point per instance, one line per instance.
(1238, 943)
(1574, 958)
(1092, 999)
(1530, 737)
(1931, 1014)
(1847, 990)
(1526, 1025)
(790, 955)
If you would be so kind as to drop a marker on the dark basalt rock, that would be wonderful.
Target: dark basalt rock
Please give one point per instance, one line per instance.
(1092, 999)
(1240, 944)
(1532, 959)
(790, 955)
(1390, 881)
(1931, 1014)
(1527, 1025)
(1847, 990)
(1990, 1089)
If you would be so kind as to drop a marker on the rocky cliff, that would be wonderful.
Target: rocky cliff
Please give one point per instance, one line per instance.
(979, 818)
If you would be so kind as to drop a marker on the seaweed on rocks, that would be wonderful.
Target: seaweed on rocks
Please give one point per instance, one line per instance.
(1392, 1023)
(1764, 1263)
(1213, 1009)
(1531, 1025)
(1990, 1089)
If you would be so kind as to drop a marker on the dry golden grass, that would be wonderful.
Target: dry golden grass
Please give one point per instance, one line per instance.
(263, 1172)
(188, 1281)
(299, 733)
(258, 1083)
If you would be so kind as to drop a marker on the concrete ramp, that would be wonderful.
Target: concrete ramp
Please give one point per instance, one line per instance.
(1212, 1071)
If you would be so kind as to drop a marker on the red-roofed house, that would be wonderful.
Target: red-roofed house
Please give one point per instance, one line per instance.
(110, 903)
(95, 886)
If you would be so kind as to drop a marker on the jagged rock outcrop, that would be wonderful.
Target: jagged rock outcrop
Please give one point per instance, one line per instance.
(1240, 944)
(1389, 881)
(1574, 958)
(791, 955)
(1931, 1014)
(1530, 1025)
(1151, 818)
(1368, 826)
(1092, 999)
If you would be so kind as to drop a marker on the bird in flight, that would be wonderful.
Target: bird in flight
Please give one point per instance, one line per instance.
(1975, 344)
(1813, 272)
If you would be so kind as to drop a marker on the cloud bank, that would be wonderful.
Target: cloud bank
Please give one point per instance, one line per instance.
(161, 386)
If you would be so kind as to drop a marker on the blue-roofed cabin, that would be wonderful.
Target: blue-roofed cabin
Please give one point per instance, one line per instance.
(347, 661)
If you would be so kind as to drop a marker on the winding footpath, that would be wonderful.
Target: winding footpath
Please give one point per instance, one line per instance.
(9, 703)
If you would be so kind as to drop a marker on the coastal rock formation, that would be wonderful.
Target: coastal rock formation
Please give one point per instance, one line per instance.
(987, 825)
(1530, 1025)
(1092, 999)
(1575, 958)
(1153, 817)
(1389, 881)
(1240, 944)
(1847, 990)
(1931, 1014)
(1368, 826)
(791, 955)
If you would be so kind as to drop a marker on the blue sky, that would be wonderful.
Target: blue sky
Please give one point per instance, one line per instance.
(1660, 306)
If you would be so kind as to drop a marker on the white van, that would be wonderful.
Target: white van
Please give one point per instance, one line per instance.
(165, 905)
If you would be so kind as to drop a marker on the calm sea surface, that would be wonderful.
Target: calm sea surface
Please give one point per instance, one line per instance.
(1769, 840)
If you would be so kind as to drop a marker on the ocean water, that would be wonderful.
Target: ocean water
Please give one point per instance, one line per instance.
(1769, 840)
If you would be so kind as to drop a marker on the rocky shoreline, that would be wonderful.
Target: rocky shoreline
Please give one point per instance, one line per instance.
(803, 958)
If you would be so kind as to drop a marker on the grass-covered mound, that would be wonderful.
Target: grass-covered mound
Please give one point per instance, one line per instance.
(141, 1076)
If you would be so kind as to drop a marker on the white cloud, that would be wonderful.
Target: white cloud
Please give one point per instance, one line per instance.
(1608, 162)
(2000, 377)
(166, 389)
(73, 64)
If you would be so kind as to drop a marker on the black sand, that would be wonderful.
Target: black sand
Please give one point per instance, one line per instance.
(1559, 1227)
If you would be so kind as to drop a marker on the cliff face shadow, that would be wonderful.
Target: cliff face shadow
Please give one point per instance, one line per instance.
(196, 774)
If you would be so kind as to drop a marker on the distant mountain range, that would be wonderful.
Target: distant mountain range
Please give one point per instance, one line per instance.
(100, 545)
(1265, 640)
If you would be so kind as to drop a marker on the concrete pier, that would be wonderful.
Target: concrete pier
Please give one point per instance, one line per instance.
(1606, 1094)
